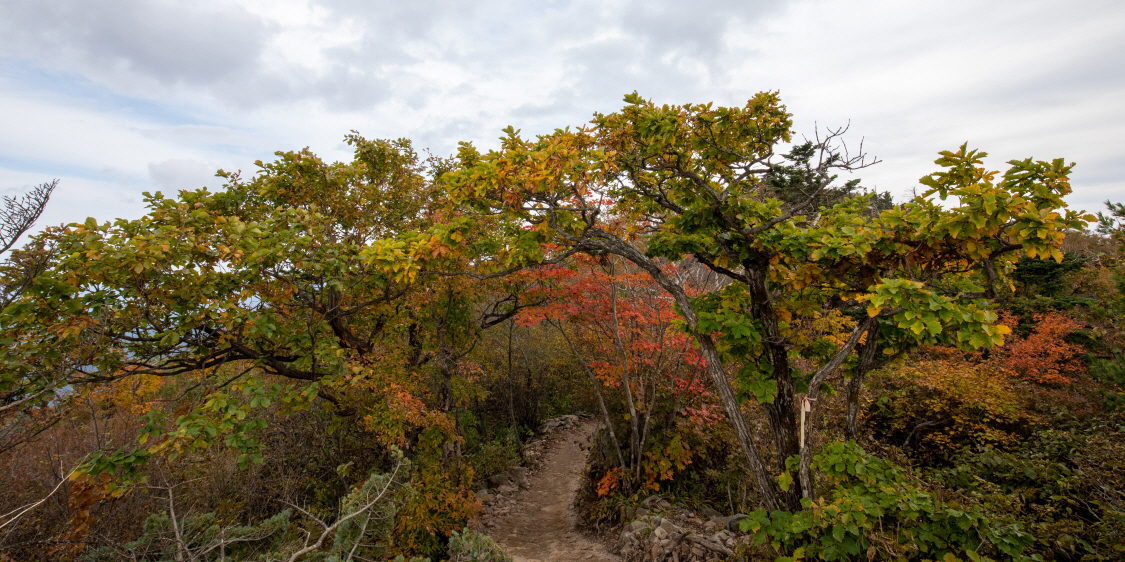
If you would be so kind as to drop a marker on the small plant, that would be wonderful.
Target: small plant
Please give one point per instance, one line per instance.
(496, 456)
(471, 546)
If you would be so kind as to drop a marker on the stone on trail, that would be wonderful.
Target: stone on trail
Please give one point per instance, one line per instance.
(731, 523)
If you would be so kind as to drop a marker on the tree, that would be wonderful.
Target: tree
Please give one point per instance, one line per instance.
(17, 271)
(621, 329)
(264, 292)
(819, 279)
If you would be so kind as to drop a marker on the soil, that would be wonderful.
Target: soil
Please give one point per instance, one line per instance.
(541, 525)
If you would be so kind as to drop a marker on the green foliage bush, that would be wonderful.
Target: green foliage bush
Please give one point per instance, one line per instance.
(1111, 372)
(873, 511)
(375, 529)
(1063, 486)
(495, 456)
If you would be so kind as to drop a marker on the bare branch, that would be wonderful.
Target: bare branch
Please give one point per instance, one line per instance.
(18, 214)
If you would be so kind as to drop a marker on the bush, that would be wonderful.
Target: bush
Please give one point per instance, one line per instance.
(471, 546)
(1111, 372)
(933, 407)
(201, 537)
(496, 456)
(872, 511)
(1064, 486)
(1044, 355)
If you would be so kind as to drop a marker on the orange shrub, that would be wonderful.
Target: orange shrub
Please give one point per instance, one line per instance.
(1043, 356)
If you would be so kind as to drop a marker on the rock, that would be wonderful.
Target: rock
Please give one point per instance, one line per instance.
(518, 475)
(508, 489)
(660, 533)
(483, 495)
(497, 480)
(669, 527)
(731, 523)
(663, 505)
(649, 501)
(561, 422)
(641, 512)
(710, 512)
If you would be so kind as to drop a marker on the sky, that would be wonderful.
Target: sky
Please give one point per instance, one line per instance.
(119, 97)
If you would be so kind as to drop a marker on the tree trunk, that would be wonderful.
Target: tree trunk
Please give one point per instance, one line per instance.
(867, 361)
(511, 380)
(626, 381)
(781, 413)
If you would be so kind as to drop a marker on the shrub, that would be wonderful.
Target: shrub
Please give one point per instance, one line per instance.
(935, 406)
(471, 546)
(1043, 356)
(1064, 486)
(872, 511)
(495, 456)
(1111, 372)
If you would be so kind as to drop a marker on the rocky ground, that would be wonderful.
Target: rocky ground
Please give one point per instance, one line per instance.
(530, 512)
(660, 531)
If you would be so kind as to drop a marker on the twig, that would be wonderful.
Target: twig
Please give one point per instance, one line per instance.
(29, 507)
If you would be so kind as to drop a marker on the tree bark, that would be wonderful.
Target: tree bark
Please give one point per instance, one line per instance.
(867, 360)
(781, 413)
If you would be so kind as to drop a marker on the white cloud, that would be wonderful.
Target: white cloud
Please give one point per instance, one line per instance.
(224, 83)
(172, 176)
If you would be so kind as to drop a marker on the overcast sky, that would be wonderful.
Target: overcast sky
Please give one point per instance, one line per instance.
(118, 97)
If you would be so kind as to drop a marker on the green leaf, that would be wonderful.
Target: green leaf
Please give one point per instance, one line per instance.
(785, 481)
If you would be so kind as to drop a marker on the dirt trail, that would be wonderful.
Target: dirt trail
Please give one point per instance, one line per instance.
(541, 524)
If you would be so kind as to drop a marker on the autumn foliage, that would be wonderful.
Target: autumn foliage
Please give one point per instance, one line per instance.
(325, 360)
(1042, 355)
